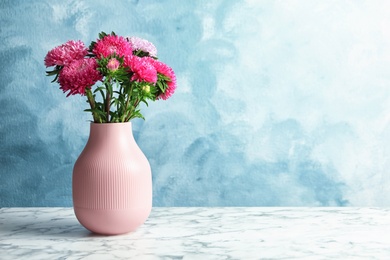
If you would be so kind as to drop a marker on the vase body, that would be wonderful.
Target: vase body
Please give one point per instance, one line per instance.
(112, 181)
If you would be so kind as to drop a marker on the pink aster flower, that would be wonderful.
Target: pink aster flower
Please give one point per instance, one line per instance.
(142, 68)
(112, 44)
(113, 64)
(78, 76)
(66, 53)
(165, 70)
(142, 45)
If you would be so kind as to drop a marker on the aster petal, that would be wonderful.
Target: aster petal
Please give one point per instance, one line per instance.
(78, 76)
(167, 71)
(112, 44)
(66, 53)
(143, 45)
(142, 68)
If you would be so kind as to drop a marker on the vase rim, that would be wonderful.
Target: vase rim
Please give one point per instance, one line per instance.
(124, 123)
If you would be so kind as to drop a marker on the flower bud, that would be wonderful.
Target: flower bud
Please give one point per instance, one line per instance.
(146, 88)
(113, 64)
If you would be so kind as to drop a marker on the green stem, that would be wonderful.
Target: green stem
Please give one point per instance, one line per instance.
(129, 116)
(125, 116)
(108, 100)
(108, 97)
(91, 102)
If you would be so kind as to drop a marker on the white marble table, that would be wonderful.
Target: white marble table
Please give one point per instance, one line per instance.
(202, 233)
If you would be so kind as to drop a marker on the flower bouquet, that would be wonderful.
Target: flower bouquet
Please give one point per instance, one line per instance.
(123, 71)
(112, 181)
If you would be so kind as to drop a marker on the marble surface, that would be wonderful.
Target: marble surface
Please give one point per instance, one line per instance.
(202, 233)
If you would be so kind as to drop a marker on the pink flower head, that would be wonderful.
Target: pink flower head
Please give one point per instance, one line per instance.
(78, 76)
(165, 70)
(142, 68)
(113, 64)
(66, 53)
(142, 45)
(112, 44)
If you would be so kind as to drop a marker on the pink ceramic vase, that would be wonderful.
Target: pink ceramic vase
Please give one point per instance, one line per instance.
(112, 181)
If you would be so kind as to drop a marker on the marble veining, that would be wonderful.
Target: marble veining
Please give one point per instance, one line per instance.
(203, 233)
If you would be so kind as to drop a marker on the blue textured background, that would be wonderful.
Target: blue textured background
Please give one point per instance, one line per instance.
(279, 103)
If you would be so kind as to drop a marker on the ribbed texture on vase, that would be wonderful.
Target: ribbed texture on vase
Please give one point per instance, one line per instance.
(112, 172)
(112, 181)
(112, 184)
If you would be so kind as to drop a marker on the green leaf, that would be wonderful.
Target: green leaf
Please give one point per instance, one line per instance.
(92, 46)
(101, 88)
(52, 72)
(102, 35)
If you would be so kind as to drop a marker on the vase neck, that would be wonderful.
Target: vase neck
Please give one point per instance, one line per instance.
(111, 132)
